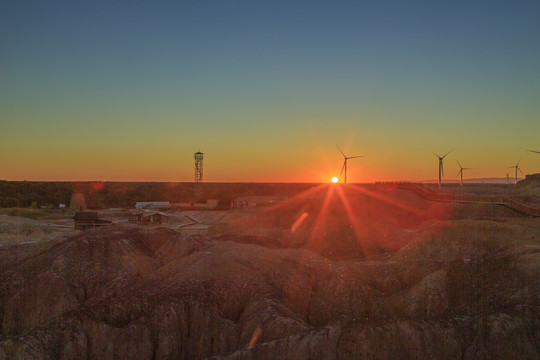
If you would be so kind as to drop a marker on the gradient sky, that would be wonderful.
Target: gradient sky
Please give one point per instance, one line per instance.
(129, 90)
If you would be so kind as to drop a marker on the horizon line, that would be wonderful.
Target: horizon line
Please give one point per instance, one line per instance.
(426, 181)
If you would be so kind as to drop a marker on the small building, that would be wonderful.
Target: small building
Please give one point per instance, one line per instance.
(136, 217)
(148, 217)
(88, 220)
(531, 179)
(152, 204)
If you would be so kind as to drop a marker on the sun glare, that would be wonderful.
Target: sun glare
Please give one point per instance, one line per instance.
(335, 179)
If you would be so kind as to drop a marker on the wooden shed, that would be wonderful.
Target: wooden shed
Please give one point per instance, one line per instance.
(148, 217)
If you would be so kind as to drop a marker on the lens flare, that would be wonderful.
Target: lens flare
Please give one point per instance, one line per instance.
(335, 179)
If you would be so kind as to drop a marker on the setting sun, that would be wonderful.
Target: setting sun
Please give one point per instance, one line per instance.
(335, 179)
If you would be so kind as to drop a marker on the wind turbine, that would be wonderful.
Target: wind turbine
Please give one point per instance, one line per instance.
(517, 168)
(461, 168)
(441, 171)
(344, 168)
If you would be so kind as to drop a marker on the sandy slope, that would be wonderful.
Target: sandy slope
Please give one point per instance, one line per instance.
(16, 230)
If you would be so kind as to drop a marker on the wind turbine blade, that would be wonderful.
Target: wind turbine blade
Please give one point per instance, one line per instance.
(447, 153)
(517, 167)
(534, 151)
(518, 162)
(461, 167)
(341, 151)
(459, 172)
(342, 168)
(354, 157)
(436, 155)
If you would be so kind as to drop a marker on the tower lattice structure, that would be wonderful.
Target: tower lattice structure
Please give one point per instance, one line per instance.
(199, 166)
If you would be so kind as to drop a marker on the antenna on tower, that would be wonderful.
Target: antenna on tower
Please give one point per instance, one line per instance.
(198, 166)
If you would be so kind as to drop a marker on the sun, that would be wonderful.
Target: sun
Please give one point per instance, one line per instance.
(335, 179)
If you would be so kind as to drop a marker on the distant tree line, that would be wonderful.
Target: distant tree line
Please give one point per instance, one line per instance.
(101, 195)
(25, 193)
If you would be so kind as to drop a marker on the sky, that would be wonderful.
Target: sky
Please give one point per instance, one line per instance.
(130, 90)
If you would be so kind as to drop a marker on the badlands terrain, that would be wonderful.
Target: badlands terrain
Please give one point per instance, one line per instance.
(334, 272)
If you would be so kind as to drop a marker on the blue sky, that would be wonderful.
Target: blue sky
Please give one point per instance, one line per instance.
(266, 89)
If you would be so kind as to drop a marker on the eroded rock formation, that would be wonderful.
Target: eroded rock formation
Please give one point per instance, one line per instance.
(456, 289)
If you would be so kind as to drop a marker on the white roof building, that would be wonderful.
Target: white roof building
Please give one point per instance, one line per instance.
(151, 204)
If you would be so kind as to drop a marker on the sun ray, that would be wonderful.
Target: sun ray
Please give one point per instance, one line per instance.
(298, 197)
(318, 225)
(386, 199)
(353, 221)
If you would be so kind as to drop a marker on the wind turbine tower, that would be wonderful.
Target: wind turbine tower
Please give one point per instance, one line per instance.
(344, 168)
(198, 166)
(441, 171)
(517, 168)
(460, 173)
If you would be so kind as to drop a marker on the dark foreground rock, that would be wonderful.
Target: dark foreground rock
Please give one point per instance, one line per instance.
(135, 293)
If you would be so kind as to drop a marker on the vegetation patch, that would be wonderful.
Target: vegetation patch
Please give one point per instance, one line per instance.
(35, 214)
